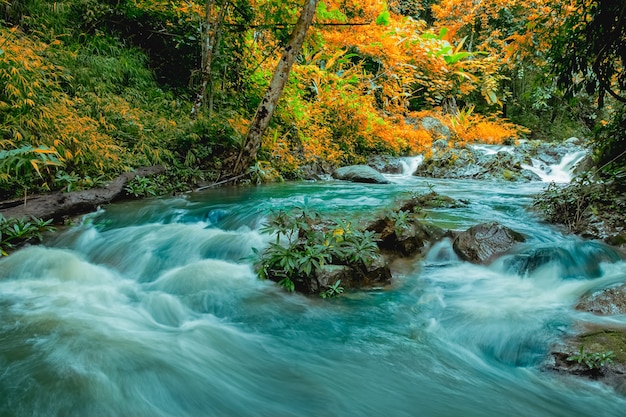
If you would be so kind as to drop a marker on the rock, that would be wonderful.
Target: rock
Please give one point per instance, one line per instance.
(376, 273)
(440, 144)
(574, 141)
(436, 128)
(596, 345)
(407, 237)
(484, 242)
(386, 164)
(60, 205)
(327, 275)
(605, 302)
(360, 173)
(476, 163)
(429, 200)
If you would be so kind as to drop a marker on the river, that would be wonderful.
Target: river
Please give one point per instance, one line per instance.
(151, 308)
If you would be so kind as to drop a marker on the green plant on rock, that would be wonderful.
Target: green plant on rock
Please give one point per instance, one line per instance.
(360, 247)
(332, 291)
(400, 220)
(141, 187)
(593, 360)
(305, 243)
(14, 232)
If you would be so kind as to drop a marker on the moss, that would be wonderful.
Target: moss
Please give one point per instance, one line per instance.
(605, 341)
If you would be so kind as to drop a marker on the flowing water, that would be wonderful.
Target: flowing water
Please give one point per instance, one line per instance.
(152, 309)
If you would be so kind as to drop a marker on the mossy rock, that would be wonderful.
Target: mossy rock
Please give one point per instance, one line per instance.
(415, 203)
(605, 341)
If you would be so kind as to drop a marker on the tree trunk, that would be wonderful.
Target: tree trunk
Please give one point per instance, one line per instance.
(210, 43)
(270, 100)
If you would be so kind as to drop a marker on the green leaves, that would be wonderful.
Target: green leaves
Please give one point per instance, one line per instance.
(333, 291)
(308, 243)
(593, 360)
(14, 232)
(383, 18)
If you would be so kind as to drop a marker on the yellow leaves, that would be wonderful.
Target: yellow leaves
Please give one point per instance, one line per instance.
(469, 127)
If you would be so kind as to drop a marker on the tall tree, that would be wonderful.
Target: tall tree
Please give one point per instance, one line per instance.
(268, 104)
(215, 11)
(592, 43)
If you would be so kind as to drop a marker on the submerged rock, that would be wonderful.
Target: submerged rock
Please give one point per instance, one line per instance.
(606, 302)
(484, 242)
(360, 173)
(574, 261)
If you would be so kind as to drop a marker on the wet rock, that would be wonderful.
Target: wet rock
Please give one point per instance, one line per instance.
(475, 163)
(417, 202)
(385, 164)
(605, 302)
(405, 236)
(591, 362)
(360, 173)
(376, 273)
(327, 275)
(573, 141)
(484, 242)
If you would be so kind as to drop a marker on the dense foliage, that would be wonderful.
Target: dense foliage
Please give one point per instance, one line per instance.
(91, 88)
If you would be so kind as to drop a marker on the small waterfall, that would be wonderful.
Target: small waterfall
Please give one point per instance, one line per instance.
(559, 173)
(493, 149)
(410, 163)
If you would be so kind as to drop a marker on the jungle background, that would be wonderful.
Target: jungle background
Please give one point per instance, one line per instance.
(90, 89)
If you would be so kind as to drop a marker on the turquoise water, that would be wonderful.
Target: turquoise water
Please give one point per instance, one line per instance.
(151, 308)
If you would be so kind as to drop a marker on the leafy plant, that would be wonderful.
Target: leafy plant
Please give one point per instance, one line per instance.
(17, 231)
(400, 220)
(332, 291)
(141, 187)
(305, 242)
(569, 205)
(360, 247)
(593, 360)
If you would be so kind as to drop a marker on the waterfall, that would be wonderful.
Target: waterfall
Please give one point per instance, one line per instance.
(410, 163)
(559, 173)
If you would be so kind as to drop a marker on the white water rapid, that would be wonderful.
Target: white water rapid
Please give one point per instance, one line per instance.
(559, 173)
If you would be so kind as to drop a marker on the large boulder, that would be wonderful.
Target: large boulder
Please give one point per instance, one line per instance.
(482, 243)
(360, 173)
